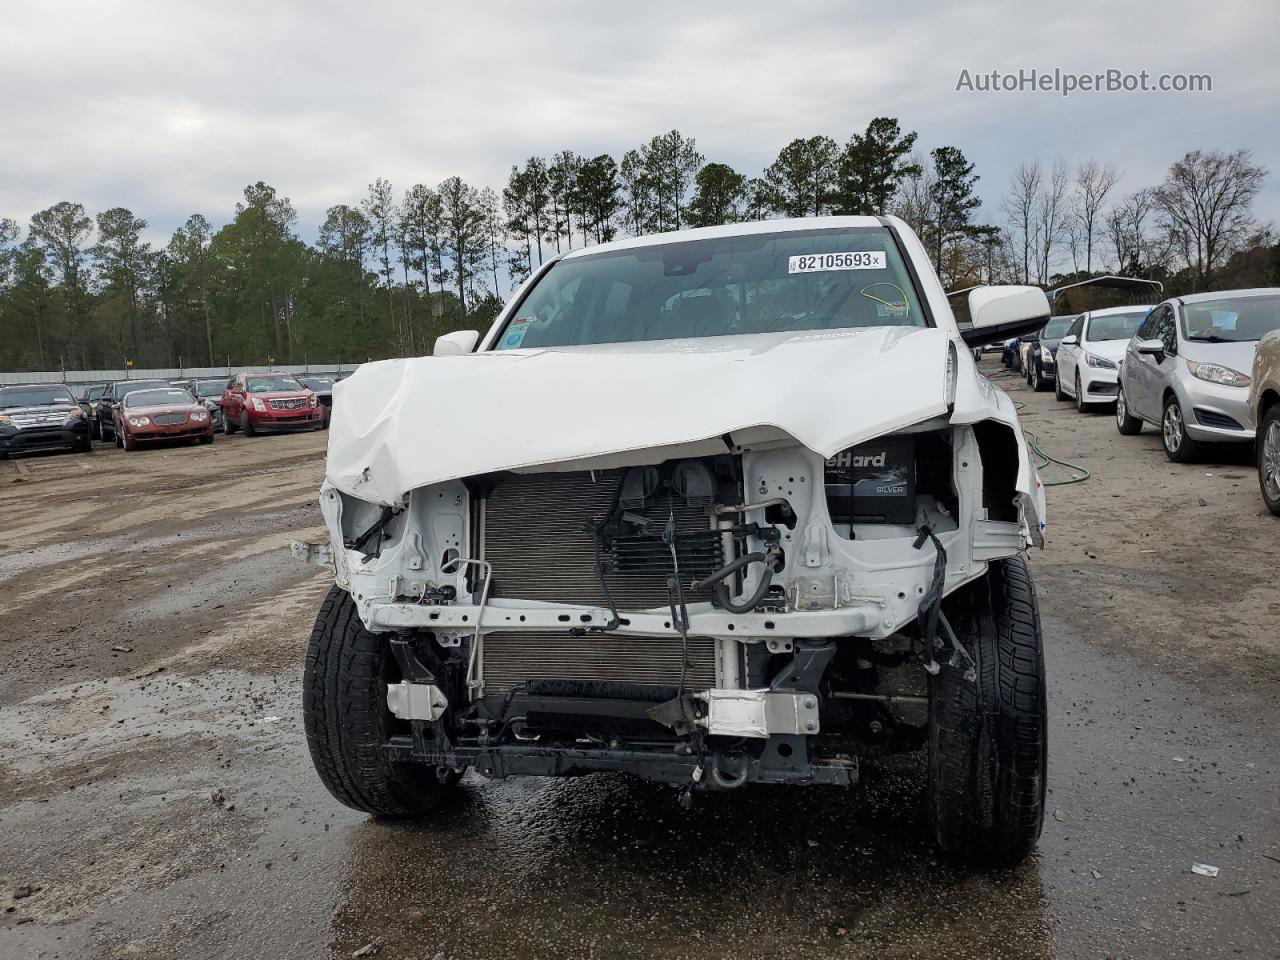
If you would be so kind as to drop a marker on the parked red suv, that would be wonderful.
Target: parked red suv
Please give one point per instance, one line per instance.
(255, 402)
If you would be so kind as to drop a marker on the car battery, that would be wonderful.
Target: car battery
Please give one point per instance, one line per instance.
(874, 482)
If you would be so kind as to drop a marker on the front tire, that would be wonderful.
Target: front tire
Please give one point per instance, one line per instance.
(1058, 393)
(1178, 447)
(1081, 405)
(1269, 458)
(344, 710)
(246, 425)
(1126, 422)
(988, 744)
(128, 443)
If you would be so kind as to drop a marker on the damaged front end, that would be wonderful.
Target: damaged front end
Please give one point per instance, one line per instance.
(751, 612)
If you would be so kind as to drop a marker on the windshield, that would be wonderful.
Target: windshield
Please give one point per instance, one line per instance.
(93, 393)
(124, 389)
(315, 384)
(755, 283)
(210, 388)
(155, 398)
(270, 384)
(1231, 319)
(34, 396)
(1115, 326)
(1057, 328)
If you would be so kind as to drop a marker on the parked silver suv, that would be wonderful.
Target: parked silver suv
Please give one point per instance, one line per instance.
(1184, 369)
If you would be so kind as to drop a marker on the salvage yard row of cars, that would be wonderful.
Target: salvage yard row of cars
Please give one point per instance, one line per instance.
(135, 413)
(1202, 369)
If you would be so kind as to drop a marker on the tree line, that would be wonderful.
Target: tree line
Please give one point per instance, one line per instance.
(392, 271)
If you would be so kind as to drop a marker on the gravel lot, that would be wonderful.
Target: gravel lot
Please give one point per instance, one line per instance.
(156, 798)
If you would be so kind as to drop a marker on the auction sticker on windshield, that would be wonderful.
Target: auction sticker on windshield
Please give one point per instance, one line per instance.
(819, 262)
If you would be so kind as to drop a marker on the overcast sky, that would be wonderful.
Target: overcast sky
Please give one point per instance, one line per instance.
(171, 108)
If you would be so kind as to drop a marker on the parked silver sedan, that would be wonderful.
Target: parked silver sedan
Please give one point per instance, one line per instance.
(1184, 369)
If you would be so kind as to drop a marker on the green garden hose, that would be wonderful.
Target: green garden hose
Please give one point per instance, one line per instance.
(1033, 443)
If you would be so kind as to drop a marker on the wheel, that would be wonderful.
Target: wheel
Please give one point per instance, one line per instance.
(1081, 405)
(1269, 458)
(246, 425)
(205, 439)
(1058, 393)
(96, 429)
(1126, 422)
(1178, 447)
(344, 710)
(85, 445)
(228, 426)
(988, 744)
(1033, 378)
(116, 437)
(128, 443)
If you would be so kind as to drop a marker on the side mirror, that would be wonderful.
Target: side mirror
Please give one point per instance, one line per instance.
(1069, 341)
(1007, 311)
(1152, 348)
(458, 342)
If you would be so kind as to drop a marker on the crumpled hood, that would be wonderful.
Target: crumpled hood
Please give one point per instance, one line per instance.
(402, 424)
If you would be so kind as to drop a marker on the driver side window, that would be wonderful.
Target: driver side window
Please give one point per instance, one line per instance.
(1165, 331)
(1077, 328)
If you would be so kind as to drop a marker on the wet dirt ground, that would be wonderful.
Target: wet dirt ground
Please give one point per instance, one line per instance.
(156, 798)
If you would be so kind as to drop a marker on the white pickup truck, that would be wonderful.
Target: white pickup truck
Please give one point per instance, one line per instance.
(719, 507)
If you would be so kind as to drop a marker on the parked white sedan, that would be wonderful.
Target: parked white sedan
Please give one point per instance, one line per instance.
(1089, 356)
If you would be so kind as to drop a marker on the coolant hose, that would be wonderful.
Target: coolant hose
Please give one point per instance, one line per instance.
(721, 592)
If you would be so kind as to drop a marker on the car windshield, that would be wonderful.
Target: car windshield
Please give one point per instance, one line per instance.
(156, 398)
(750, 283)
(124, 389)
(314, 384)
(1115, 326)
(1231, 319)
(93, 393)
(211, 388)
(1057, 328)
(271, 384)
(37, 396)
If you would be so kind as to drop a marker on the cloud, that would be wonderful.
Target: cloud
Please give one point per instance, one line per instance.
(170, 108)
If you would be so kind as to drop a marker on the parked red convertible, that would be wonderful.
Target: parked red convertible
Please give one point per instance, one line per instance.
(255, 402)
(146, 416)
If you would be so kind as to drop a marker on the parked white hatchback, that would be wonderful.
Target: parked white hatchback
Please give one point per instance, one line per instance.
(1089, 355)
(1184, 370)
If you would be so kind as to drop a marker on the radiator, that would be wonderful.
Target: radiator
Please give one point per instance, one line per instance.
(538, 539)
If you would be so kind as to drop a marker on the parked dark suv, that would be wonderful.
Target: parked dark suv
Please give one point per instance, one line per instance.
(41, 416)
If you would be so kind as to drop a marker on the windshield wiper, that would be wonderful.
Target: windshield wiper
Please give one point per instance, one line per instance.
(1213, 338)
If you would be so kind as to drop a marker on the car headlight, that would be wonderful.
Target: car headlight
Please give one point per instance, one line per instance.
(1217, 373)
(139, 421)
(1102, 363)
(5, 420)
(314, 399)
(75, 414)
(259, 405)
(1046, 355)
(200, 416)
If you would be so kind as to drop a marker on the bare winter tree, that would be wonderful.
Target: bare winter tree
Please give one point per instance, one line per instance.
(1020, 207)
(1051, 216)
(1093, 182)
(914, 202)
(1204, 205)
